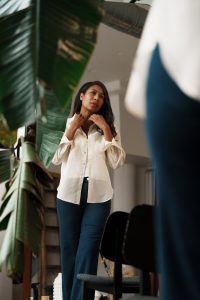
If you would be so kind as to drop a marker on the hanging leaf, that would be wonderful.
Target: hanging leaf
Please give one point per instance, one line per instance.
(17, 62)
(64, 52)
(5, 164)
(49, 145)
(49, 133)
(51, 40)
(21, 212)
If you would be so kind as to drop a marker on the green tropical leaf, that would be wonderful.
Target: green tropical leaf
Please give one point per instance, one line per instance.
(17, 64)
(50, 40)
(21, 212)
(49, 146)
(12, 252)
(49, 134)
(5, 164)
(67, 39)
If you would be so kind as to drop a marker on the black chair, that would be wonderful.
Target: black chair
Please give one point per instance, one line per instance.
(140, 297)
(139, 249)
(111, 249)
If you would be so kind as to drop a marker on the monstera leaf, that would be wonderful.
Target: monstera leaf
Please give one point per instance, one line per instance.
(21, 212)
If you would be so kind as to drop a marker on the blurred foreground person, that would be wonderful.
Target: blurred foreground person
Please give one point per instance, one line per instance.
(164, 88)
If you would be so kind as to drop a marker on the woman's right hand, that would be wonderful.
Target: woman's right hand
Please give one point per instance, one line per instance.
(77, 122)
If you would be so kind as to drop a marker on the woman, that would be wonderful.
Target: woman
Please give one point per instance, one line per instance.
(89, 144)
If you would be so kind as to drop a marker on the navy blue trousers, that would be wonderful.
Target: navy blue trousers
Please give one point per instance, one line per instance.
(81, 228)
(173, 130)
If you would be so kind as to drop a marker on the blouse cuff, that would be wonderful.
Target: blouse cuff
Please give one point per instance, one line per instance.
(108, 144)
(65, 140)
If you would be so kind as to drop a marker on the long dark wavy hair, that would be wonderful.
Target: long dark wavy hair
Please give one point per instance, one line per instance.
(105, 110)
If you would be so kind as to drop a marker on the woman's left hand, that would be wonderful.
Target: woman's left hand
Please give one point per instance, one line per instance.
(98, 120)
(101, 123)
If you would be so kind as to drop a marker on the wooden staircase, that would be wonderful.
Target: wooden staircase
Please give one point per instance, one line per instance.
(50, 248)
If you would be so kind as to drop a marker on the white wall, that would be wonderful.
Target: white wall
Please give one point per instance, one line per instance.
(132, 129)
(124, 188)
(129, 181)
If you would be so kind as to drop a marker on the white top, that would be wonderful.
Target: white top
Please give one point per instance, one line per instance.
(87, 166)
(174, 25)
(73, 157)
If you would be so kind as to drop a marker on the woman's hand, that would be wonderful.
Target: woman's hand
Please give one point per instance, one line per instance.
(101, 123)
(77, 122)
(98, 120)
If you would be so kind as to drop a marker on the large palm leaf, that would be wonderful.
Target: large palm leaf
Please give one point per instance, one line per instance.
(17, 62)
(73, 27)
(49, 133)
(51, 40)
(5, 166)
(21, 212)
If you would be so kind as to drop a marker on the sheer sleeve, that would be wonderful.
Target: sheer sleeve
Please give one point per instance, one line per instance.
(115, 154)
(63, 149)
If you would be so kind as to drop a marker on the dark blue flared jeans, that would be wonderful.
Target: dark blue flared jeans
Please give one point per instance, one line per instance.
(81, 228)
(173, 130)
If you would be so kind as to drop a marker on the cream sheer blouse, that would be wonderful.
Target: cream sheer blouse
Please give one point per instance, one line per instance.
(94, 152)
